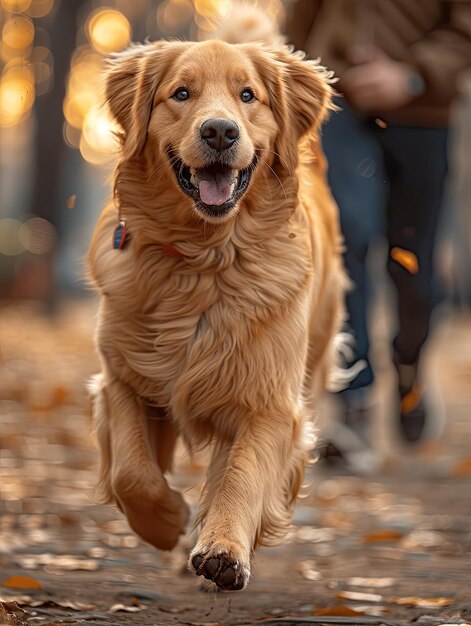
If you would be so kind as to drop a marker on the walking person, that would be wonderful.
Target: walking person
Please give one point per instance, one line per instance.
(399, 63)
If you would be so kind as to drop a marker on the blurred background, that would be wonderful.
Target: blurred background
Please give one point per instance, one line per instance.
(54, 132)
(57, 152)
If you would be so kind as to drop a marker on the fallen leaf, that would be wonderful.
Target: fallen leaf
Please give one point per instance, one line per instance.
(71, 563)
(309, 571)
(378, 583)
(422, 539)
(7, 614)
(374, 610)
(124, 607)
(358, 596)
(56, 562)
(337, 609)
(310, 534)
(423, 603)
(66, 604)
(382, 535)
(11, 607)
(18, 599)
(175, 609)
(22, 582)
(461, 469)
(71, 201)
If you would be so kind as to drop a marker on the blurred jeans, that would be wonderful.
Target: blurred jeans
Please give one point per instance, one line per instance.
(388, 180)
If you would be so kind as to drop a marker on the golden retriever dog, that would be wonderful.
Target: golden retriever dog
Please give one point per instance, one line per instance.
(219, 316)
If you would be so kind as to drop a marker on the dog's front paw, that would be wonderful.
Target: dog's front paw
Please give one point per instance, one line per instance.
(221, 566)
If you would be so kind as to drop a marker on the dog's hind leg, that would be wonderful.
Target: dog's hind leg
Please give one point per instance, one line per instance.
(154, 511)
(260, 481)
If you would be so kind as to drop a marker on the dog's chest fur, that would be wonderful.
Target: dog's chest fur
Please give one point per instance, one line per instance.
(206, 342)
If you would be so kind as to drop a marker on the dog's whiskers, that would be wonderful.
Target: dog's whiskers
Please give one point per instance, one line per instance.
(284, 161)
(274, 174)
(171, 161)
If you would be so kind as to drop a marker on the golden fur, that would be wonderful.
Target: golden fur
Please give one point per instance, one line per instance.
(233, 342)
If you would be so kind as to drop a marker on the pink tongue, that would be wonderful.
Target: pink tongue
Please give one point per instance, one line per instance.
(211, 194)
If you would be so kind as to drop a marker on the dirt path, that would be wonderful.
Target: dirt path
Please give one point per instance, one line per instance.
(390, 548)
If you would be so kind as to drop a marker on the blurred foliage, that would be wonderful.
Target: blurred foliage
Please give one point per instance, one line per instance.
(51, 105)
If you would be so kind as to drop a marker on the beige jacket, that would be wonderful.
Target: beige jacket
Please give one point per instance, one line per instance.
(432, 36)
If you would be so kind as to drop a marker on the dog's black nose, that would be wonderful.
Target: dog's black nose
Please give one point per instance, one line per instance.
(219, 133)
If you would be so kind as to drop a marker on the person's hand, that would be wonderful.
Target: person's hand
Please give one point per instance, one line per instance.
(378, 83)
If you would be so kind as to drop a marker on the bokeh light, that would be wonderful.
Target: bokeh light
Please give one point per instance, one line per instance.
(98, 143)
(108, 30)
(37, 235)
(40, 8)
(17, 95)
(211, 8)
(71, 135)
(42, 77)
(10, 243)
(16, 6)
(83, 85)
(18, 32)
(88, 125)
(174, 15)
(209, 12)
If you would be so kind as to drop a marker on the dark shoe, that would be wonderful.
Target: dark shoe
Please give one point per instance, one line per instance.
(347, 443)
(412, 408)
(413, 415)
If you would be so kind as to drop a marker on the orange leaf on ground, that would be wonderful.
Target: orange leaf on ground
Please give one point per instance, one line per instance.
(22, 582)
(461, 469)
(337, 609)
(382, 535)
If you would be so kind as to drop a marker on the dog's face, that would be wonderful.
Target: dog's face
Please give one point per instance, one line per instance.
(216, 114)
(212, 117)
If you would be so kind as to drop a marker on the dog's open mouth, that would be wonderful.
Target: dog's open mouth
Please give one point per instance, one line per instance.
(214, 188)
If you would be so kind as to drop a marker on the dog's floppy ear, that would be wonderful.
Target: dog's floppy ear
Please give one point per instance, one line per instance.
(300, 94)
(130, 85)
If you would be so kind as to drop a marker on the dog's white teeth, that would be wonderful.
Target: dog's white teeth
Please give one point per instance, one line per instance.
(194, 180)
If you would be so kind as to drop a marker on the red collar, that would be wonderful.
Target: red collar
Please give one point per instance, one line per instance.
(171, 251)
(121, 237)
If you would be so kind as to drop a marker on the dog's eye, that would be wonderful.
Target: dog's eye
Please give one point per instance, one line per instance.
(181, 94)
(247, 95)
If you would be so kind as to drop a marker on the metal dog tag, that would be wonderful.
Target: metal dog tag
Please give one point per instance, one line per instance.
(119, 236)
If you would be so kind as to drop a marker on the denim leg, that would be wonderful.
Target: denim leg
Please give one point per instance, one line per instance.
(356, 177)
(416, 164)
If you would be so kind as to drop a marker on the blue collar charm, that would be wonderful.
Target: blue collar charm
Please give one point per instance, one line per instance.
(119, 236)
